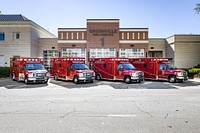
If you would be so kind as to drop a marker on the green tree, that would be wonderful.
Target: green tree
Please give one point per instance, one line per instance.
(197, 8)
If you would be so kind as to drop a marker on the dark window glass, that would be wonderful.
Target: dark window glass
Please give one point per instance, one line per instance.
(163, 67)
(2, 36)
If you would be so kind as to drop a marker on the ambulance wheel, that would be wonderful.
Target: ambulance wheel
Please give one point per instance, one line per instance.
(127, 79)
(75, 80)
(13, 77)
(55, 77)
(172, 79)
(26, 81)
(45, 82)
(98, 77)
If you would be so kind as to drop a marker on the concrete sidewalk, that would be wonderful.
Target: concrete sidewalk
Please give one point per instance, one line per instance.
(195, 79)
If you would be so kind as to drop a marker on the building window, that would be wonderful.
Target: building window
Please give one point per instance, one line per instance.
(47, 54)
(67, 35)
(155, 53)
(2, 36)
(138, 35)
(133, 36)
(74, 52)
(16, 35)
(102, 52)
(143, 35)
(122, 35)
(72, 35)
(128, 53)
(61, 35)
(128, 36)
(77, 35)
(82, 35)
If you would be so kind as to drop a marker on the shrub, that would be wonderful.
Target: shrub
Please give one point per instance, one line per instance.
(194, 70)
(4, 72)
(198, 66)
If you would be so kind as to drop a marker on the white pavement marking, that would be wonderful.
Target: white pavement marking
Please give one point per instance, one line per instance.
(122, 115)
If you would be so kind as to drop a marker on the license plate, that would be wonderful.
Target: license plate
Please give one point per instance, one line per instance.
(40, 75)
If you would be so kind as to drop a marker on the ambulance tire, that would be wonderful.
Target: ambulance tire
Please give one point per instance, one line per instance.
(55, 77)
(172, 79)
(75, 80)
(26, 81)
(13, 77)
(98, 77)
(45, 82)
(127, 79)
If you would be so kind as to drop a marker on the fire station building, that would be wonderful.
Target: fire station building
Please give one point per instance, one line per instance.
(20, 36)
(103, 38)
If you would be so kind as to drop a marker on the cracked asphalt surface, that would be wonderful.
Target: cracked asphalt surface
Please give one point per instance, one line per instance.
(99, 107)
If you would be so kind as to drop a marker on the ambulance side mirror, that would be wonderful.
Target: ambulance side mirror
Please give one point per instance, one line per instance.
(71, 68)
(121, 68)
(163, 67)
(21, 68)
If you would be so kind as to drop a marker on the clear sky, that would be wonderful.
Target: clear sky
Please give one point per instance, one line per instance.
(164, 18)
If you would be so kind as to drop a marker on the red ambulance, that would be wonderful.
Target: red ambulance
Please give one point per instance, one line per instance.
(115, 69)
(159, 69)
(28, 70)
(71, 68)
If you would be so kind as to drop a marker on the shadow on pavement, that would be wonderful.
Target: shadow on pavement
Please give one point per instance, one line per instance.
(121, 85)
(10, 84)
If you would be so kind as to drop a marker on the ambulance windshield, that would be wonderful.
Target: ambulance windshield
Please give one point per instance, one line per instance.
(33, 66)
(129, 66)
(171, 67)
(80, 66)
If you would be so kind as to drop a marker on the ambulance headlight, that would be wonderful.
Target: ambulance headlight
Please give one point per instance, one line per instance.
(179, 74)
(80, 74)
(30, 74)
(134, 74)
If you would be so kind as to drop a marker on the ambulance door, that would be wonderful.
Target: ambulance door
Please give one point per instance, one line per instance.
(149, 69)
(162, 71)
(119, 72)
(71, 72)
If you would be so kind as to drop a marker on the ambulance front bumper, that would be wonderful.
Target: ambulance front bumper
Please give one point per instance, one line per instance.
(137, 78)
(86, 79)
(181, 78)
(38, 79)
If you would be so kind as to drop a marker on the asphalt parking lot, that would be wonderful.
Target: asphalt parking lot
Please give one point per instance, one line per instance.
(99, 107)
(9, 84)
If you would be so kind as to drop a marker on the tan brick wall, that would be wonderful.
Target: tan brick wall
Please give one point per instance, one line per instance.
(47, 44)
(157, 44)
(95, 34)
(187, 54)
(184, 49)
(28, 43)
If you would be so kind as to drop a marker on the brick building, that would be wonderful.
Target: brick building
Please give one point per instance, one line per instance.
(103, 38)
(20, 36)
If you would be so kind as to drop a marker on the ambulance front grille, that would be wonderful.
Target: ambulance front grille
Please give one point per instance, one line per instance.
(40, 74)
(88, 74)
(140, 73)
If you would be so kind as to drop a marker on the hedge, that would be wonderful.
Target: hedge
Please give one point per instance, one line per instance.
(4, 72)
(194, 70)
